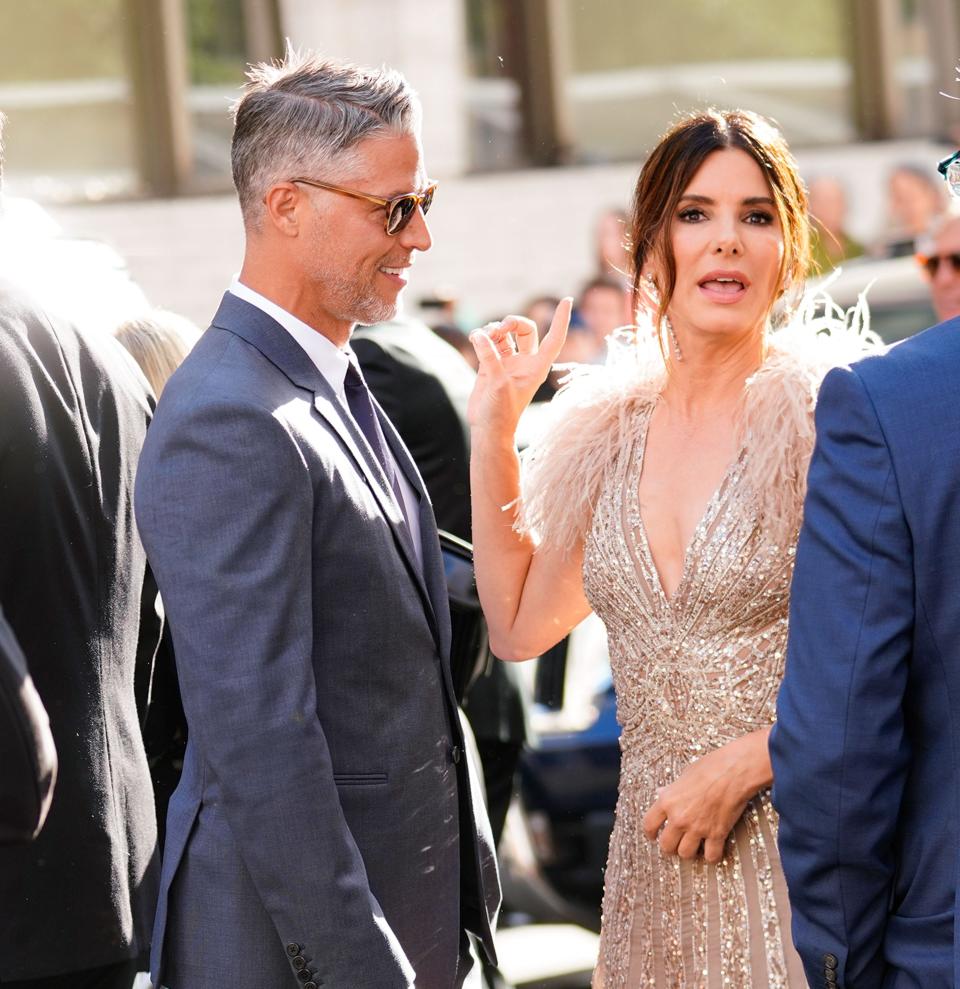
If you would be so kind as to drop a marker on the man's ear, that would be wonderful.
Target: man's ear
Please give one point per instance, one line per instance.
(282, 202)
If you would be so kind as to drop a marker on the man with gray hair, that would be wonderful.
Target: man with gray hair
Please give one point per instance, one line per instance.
(326, 829)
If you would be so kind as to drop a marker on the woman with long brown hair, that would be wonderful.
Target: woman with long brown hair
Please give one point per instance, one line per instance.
(666, 496)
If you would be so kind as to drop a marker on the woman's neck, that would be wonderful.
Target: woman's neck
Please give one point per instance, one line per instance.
(709, 377)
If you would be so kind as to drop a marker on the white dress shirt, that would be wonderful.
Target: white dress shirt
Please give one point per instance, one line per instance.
(332, 362)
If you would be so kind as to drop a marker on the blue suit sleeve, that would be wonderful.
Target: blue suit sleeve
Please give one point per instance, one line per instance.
(839, 748)
(225, 505)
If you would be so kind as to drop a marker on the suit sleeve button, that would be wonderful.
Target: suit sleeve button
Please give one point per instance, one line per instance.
(830, 961)
(305, 976)
(293, 949)
(299, 962)
(310, 985)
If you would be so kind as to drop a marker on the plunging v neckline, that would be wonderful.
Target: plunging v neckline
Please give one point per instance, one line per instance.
(703, 525)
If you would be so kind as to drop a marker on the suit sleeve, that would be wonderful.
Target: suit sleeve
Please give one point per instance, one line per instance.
(839, 749)
(225, 505)
(27, 752)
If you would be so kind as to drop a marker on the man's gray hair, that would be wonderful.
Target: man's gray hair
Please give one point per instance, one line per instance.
(307, 113)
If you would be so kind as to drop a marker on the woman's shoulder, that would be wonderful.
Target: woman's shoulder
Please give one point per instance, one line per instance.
(580, 436)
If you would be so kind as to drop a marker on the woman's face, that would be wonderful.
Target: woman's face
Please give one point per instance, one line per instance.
(728, 246)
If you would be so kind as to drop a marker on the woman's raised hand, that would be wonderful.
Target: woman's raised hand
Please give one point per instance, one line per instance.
(513, 365)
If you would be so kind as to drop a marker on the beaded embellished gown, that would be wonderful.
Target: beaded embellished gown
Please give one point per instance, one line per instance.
(700, 669)
(691, 673)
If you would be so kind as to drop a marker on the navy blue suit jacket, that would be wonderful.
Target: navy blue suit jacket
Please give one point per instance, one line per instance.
(866, 746)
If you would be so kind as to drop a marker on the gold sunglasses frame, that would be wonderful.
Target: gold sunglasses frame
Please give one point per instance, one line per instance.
(387, 204)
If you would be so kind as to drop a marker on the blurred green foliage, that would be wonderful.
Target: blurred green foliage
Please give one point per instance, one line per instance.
(52, 40)
(622, 34)
(217, 41)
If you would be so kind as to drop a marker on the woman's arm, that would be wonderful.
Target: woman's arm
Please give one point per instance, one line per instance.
(706, 801)
(531, 598)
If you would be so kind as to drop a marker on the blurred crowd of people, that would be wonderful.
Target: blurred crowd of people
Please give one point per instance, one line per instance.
(920, 222)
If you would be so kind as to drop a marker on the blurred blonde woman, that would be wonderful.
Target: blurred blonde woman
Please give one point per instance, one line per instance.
(158, 341)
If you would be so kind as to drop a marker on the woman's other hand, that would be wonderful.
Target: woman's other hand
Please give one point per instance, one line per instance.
(702, 806)
(513, 365)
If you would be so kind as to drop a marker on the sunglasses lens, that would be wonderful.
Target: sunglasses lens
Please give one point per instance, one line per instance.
(400, 213)
(427, 200)
(932, 264)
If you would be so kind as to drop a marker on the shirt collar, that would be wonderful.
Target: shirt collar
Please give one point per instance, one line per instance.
(330, 360)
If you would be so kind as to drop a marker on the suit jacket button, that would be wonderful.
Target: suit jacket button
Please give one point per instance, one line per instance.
(455, 754)
(293, 949)
(830, 961)
(299, 962)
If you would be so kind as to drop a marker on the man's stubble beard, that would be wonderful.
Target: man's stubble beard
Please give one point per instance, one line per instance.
(350, 300)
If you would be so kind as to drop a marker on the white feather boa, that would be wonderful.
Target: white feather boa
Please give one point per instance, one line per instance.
(596, 412)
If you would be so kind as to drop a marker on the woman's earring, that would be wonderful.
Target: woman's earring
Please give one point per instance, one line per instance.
(673, 338)
(666, 319)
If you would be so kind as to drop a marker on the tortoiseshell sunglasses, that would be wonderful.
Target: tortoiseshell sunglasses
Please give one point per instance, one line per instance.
(399, 210)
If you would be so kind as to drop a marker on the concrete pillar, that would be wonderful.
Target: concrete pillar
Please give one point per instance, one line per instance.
(157, 36)
(542, 29)
(261, 20)
(423, 39)
(877, 102)
(942, 22)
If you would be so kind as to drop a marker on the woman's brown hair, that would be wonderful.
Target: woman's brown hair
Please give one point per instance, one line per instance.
(670, 169)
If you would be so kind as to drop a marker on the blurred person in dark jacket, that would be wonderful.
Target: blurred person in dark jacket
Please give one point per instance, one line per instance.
(159, 340)
(27, 752)
(423, 386)
(78, 901)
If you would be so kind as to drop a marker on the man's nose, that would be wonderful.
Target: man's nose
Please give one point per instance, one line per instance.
(416, 234)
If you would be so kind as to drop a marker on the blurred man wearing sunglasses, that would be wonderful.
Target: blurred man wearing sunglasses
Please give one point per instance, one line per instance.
(326, 829)
(866, 748)
(940, 260)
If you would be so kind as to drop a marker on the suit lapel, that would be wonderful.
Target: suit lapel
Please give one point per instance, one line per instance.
(433, 572)
(277, 346)
(326, 404)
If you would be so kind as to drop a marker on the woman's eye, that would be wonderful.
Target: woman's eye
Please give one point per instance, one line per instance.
(760, 217)
(692, 215)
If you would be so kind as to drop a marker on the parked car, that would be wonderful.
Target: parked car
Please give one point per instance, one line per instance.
(897, 294)
(555, 843)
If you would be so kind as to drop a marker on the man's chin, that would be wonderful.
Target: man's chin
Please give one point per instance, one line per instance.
(380, 312)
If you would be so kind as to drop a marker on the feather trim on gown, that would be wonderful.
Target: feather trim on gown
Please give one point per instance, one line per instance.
(593, 415)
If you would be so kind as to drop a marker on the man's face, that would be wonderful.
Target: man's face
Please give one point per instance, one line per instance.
(945, 284)
(354, 271)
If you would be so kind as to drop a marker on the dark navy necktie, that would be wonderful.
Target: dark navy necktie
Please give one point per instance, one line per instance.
(365, 416)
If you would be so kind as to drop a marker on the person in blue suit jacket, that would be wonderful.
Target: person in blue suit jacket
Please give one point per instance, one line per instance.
(866, 747)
